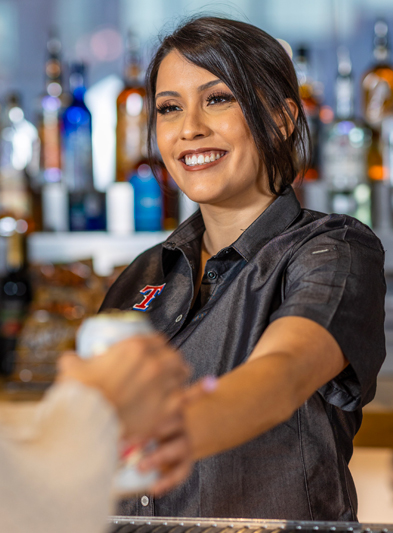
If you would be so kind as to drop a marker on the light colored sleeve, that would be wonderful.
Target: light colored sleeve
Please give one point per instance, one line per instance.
(57, 460)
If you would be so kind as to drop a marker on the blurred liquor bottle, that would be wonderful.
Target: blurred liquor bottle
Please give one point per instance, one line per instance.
(148, 198)
(19, 166)
(312, 106)
(86, 205)
(377, 89)
(382, 189)
(344, 150)
(51, 104)
(170, 199)
(15, 292)
(131, 129)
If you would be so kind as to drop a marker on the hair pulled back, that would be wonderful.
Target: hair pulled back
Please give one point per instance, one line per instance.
(259, 72)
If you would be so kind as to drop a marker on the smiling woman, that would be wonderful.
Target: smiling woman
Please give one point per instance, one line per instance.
(284, 305)
(238, 61)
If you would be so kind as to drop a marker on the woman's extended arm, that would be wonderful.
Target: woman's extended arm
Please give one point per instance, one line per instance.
(294, 357)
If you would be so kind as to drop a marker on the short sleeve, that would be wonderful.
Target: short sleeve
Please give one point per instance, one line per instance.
(336, 279)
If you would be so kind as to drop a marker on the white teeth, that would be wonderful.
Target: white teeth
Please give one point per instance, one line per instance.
(202, 159)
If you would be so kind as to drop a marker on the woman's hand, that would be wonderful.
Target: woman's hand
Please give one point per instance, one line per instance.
(173, 454)
(140, 376)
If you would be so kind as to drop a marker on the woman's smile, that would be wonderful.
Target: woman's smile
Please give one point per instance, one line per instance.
(202, 159)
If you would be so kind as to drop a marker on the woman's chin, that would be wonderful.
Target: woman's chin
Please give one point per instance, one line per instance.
(203, 197)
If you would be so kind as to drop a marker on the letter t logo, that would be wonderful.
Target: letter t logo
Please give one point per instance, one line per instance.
(151, 291)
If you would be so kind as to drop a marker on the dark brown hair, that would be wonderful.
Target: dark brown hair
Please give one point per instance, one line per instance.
(259, 72)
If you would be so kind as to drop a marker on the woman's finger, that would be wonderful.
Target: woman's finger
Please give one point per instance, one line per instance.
(167, 453)
(172, 478)
(170, 428)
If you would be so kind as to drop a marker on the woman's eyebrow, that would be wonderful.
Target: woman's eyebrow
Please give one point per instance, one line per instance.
(200, 89)
(168, 93)
(208, 85)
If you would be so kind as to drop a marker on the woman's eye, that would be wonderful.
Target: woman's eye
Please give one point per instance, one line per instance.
(166, 109)
(221, 98)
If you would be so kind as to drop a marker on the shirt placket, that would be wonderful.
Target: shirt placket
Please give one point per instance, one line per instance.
(190, 262)
(145, 505)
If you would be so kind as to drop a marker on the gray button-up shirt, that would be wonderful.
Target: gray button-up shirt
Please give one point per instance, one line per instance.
(289, 262)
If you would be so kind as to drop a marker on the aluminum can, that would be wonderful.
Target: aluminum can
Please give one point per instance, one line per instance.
(93, 338)
(99, 332)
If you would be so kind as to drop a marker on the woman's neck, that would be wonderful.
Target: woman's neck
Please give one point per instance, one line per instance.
(224, 226)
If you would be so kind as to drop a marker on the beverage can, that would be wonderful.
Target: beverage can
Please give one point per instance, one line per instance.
(93, 338)
(99, 332)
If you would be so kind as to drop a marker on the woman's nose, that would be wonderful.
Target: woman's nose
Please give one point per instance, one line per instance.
(194, 126)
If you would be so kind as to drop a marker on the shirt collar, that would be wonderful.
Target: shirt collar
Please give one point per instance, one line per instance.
(272, 222)
(189, 230)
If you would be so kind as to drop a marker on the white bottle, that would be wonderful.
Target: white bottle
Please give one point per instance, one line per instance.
(120, 208)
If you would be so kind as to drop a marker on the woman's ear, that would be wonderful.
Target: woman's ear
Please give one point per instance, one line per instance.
(286, 120)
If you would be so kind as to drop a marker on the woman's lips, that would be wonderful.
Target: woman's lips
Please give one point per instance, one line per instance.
(203, 166)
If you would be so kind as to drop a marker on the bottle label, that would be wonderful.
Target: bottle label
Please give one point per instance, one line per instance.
(78, 160)
(378, 98)
(14, 195)
(344, 160)
(50, 139)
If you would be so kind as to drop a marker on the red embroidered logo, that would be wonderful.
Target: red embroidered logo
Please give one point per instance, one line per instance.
(151, 292)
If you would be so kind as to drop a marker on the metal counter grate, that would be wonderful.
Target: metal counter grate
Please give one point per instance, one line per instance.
(130, 524)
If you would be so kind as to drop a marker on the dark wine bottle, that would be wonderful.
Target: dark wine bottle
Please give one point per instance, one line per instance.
(15, 295)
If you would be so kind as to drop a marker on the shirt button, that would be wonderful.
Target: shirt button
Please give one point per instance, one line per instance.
(145, 501)
(212, 274)
(179, 318)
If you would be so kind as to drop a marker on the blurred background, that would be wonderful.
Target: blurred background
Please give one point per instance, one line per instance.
(95, 30)
(78, 200)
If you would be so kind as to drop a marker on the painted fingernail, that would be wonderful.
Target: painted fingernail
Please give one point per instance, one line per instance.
(209, 383)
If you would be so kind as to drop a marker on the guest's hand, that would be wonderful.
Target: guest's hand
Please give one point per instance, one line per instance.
(140, 376)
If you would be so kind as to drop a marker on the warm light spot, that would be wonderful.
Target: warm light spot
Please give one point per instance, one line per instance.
(287, 47)
(54, 89)
(326, 114)
(21, 226)
(134, 104)
(377, 172)
(26, 375)
(16, 114)
(7, 226)
(311, 174)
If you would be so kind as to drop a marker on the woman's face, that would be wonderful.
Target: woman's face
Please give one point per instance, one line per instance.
(204, 138)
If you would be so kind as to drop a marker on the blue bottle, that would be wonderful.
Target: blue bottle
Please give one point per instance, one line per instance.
(77, 135)
(147, 199)
(86, 205)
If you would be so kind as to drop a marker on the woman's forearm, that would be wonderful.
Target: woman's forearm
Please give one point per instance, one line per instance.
(294, 357)
(248, 401)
